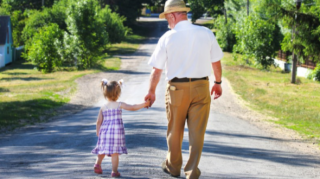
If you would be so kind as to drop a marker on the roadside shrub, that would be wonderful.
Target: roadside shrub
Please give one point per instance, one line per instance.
(5, 9)
(316, 73)
(225, 36)
(17, 20)
(18, 23)
(87, 34)
(38, 19)
(255, 38)
(43, 49)
(113, 24)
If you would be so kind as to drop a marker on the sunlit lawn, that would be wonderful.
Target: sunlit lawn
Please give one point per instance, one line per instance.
(26, 95)
(296, 106)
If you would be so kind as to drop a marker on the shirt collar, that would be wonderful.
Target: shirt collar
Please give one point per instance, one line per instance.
(181, 24)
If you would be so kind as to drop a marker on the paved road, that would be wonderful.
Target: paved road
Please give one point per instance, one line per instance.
(233, 147)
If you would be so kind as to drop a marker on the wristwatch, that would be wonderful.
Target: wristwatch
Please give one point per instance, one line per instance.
(218, 82)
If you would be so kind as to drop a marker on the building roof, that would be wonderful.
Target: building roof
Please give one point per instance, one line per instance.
(3, 28)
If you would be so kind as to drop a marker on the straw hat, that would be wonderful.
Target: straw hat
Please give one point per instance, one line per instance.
(174, 6)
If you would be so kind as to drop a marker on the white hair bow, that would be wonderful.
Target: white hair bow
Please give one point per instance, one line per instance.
(121, 83)
(105, 81)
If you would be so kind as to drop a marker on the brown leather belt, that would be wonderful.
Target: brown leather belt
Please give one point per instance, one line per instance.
(187, 79)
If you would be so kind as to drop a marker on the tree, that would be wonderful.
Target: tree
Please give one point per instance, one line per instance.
(225, 35)
(28, 4)
(43, 51)
(113, 25)
(213, 7)
(37, 19)
(18, 23)
(130, 9)
(197, 9)
(255, 38)
(304, 22)
(86, 35)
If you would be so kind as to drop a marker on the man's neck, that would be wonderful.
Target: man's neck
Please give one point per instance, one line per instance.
(179, 20)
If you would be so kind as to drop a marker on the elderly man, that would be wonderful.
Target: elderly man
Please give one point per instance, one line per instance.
(187, 53)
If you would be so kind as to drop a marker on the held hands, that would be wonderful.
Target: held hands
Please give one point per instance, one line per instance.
(216, 88)
(147, 103)
(151, 97)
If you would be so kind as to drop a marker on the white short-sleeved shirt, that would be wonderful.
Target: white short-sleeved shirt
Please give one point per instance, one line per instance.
(186, 51)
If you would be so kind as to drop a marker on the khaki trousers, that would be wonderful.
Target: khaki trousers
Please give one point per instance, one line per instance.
(188, 102)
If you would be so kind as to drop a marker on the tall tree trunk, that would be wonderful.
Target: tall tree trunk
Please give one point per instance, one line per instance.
(294, 58)
(247, 7)
(294, 68)
(225, 16)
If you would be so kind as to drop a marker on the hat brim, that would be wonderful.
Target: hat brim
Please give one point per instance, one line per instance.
(179, 9)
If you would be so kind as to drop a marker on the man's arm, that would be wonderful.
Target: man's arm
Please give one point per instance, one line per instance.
(217, 70)
(154, 80)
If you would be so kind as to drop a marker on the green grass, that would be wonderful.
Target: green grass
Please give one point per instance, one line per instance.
(27, 95)
(296, 106)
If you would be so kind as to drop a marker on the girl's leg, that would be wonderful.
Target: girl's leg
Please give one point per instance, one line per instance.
(99, 159)
(115, 162)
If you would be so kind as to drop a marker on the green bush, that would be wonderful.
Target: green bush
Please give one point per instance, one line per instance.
(17, 20)
(27, 4)
(18, 23)
(316, 73)
(38, 19)
(5, 9)
(86, 33)
(113, 24)
(43, 51)
(255, 39)
(225, 35)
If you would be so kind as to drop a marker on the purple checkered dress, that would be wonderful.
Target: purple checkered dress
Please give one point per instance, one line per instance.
(111, 136)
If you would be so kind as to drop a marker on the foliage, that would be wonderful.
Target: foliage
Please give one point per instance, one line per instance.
(5, 9)
(86, 35)
(113, 25)
(225, 34)
(18, 23)
(27, 4)
(44, 47)
(38, 19)
(197, 9)
(255, 38)
(130, 9)
(299, 27)
(17, 20)
(213, 7)
(316, 73)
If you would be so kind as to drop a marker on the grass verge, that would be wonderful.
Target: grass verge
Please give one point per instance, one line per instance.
(295, 106)
(27, 95)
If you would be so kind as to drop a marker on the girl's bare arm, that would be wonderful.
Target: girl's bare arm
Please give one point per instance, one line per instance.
(134, 107)
(99, 122)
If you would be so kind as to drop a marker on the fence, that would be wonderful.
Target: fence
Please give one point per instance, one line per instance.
(308, 63)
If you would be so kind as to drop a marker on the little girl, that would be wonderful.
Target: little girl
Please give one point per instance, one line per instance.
(110, 130)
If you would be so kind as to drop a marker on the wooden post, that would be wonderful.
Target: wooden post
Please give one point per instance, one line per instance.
(42, 2)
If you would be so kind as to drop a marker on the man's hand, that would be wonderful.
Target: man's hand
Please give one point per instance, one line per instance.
(216, 88)
(147, 103)
(150, 96)
(154, 80)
